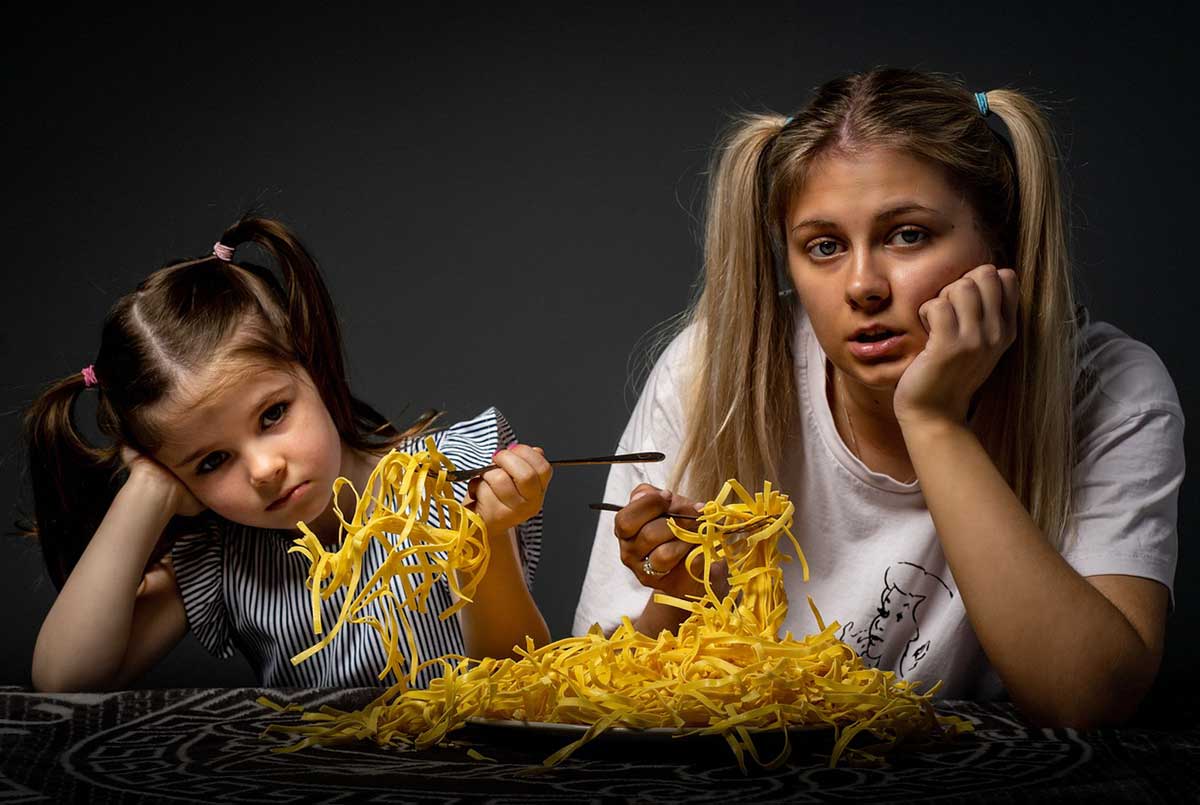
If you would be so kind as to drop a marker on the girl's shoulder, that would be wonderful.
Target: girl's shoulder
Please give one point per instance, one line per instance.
(1119, 376)
(476, 438)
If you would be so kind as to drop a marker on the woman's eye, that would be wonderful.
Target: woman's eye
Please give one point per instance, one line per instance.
(273, 414)
(210, 463)
(909, 237)
(821, 249)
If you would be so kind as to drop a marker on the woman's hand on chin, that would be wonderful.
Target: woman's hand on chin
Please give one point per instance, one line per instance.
(971, 323)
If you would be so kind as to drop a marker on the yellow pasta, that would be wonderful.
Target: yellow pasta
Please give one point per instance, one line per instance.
(726, 672)
(409, 507)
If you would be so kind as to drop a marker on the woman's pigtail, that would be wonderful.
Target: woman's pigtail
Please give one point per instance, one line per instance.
(1047, 332)
(73, 480)
(741, 371)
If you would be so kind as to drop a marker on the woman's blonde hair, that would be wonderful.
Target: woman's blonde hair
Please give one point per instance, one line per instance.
(742, 408)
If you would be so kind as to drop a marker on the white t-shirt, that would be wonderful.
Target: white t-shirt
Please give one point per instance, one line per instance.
(877, 566)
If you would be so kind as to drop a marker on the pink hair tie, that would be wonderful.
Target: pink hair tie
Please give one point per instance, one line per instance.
(222, 252)
(89, 376)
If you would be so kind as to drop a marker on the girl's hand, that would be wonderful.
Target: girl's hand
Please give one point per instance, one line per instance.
(513, 492)
(644, 536)
(150, 471)
(970, 324)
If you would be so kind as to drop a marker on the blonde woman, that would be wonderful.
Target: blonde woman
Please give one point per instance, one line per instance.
(985, 481)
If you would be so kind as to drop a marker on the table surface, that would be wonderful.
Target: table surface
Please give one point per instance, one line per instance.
(207, 745)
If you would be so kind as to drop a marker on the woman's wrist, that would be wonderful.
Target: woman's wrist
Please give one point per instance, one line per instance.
(924, 428)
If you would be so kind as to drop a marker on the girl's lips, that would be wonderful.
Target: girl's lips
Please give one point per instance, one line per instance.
(871, 350)
(291, 495)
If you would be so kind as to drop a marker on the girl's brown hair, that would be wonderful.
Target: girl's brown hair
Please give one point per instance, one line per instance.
(744, 399)
(186, 317)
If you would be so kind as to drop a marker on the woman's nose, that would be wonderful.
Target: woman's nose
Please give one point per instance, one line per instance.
(867, 285)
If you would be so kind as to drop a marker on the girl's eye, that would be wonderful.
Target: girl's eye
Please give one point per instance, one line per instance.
(909, 237)
(822, 249)
(210, 463)
(273, 414)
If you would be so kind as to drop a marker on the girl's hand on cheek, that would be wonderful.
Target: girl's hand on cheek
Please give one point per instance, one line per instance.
(513, 492)
(970, 324)
(149, 471)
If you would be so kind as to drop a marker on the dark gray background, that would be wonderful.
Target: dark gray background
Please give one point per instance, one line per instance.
(517, 191)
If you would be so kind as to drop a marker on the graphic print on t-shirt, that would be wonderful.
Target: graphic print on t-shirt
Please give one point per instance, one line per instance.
(906, 586)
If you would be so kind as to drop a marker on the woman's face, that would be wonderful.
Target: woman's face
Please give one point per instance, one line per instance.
(262, 451)
(870, 238)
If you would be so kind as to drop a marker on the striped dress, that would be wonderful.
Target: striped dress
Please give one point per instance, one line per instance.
(242, 590)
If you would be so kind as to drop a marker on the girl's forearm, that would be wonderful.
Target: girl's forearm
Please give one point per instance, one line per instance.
(1065, 653)
(84, 638)
(503, 611)
(655, 617)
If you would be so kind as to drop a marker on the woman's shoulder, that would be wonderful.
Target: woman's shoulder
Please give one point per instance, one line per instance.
(1120, 376)
(674, 359)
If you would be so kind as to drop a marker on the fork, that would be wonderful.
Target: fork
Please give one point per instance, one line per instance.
(616, 507)
(625, 458)
(731, 537)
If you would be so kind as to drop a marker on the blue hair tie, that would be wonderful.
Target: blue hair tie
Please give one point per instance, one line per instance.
(787, 121)
(981, 100)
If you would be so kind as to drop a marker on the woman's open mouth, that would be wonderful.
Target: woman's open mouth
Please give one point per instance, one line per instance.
(875, 342)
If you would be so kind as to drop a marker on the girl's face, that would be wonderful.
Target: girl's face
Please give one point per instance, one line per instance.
(870, 238)
(263, 451)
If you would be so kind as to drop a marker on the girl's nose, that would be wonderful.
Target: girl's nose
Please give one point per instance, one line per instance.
(867, 285)
(266, 469)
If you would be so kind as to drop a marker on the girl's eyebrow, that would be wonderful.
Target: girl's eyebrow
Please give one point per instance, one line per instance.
(259, 403)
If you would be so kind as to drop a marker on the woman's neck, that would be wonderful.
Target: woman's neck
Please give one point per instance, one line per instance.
(867, 423)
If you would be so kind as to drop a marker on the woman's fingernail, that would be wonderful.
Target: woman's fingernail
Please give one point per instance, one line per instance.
(511, 445)
(498, 452)
(699, 507)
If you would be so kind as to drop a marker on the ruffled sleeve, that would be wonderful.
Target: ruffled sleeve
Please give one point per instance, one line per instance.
(472, 443)
(199, 563)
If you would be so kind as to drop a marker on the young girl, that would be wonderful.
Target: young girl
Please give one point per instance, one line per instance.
(985, 481)
(223, 391)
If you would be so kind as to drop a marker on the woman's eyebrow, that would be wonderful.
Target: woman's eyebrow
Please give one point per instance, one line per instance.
(905, 209)
(901, 209)
(819, 223)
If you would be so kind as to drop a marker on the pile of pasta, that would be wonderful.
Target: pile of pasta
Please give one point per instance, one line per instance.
(409, 507)
(725, 672)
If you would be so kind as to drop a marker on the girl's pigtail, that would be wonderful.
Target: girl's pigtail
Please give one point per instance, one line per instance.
(315, 333)
(313, 327)
(73, 481)
(743, 383)
(1044, 353)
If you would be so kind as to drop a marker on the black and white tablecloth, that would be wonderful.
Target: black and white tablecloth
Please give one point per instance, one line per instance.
(207, 745)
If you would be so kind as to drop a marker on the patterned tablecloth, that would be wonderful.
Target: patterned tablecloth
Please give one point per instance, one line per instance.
(206, 745)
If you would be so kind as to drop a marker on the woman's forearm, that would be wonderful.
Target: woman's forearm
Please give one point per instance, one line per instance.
(503, 612)
(1065, 653)
(84, 637)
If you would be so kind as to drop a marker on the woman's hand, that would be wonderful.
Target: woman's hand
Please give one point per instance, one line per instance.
(151, 472)
(513, 492)
(970, 324)
(645, 537)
